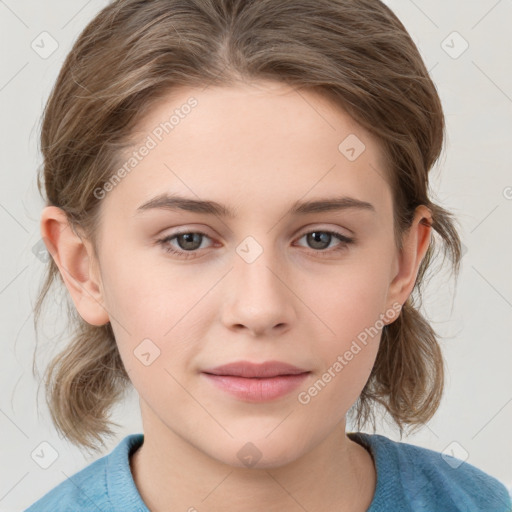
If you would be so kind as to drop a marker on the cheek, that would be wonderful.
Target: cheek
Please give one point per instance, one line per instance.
(351, 310)
(348, 356)
(350, 297)
(157, 318)
(135, 289)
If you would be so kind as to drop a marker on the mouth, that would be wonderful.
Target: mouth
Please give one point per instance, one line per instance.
(256, 370)
(256, 382)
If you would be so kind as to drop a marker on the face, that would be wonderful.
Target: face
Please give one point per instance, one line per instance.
(187, 290)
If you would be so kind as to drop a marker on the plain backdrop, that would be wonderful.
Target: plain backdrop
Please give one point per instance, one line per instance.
(467, 48)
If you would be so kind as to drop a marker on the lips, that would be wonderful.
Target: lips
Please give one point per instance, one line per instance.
(256, 382)
(247, 369)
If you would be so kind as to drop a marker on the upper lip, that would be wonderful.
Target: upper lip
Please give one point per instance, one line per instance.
(248, 369)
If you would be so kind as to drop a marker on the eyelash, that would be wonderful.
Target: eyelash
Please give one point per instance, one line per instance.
(345, 241)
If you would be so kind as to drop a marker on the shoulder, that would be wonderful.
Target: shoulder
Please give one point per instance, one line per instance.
(425, 480)
(84, 490)
(91, 488)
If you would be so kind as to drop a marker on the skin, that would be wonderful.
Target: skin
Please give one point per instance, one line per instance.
(256, 148)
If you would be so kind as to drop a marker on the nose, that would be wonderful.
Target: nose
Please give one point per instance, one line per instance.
(258, 296)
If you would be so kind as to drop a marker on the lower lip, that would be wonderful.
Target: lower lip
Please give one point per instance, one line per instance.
(257, 390)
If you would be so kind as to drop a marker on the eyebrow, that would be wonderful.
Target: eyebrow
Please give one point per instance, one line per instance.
(174, 202)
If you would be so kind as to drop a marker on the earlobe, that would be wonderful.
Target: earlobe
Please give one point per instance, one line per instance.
(415, 245)
(73, 256)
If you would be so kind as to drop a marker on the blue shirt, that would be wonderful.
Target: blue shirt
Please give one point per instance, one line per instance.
(409, 478)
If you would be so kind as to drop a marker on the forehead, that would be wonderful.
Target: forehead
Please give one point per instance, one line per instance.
(258, 145)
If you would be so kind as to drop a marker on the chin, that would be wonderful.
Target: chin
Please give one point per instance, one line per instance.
(260, 453)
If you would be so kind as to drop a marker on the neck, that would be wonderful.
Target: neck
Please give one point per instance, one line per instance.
(172, 474)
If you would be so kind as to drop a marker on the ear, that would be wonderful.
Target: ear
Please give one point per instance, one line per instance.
(415, 243)
(74, 257)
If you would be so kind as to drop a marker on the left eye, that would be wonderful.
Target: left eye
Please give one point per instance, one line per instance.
(319, 238)
(189, 242)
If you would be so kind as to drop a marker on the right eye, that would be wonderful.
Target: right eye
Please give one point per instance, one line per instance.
(189, 241)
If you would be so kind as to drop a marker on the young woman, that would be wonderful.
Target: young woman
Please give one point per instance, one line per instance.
(238, 204)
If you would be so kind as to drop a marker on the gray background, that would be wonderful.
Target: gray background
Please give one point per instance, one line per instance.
(473, 179)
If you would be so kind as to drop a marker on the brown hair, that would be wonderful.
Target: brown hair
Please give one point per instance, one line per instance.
(355, 52)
